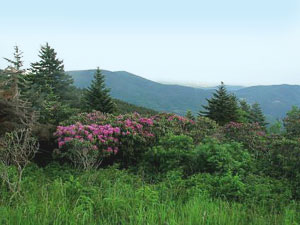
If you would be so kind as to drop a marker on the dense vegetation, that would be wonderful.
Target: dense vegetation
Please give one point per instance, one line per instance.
(63, 162)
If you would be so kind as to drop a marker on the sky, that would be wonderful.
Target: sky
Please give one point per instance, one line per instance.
(193, 42)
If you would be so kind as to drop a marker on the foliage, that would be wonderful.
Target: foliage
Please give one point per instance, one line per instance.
(52, 110)
(276, 128)
(50, 88)
(189, 115)
(166, 168)
(257, 116)
(97, 95)
(292, 122)
(172, 153)
(125, 108)
(282, 162)
(59, 195)
(251, 135)
(203, 128)
(17, 148)
(49, 71)
(12, 82)
(215, 157)
(222, 107)
(128, 135)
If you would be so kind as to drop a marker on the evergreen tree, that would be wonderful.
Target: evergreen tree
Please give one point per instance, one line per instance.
(222, 107)
(189, 115)
(257, 116)
(49, 71)
(245, 112)
(97, 95)
(13, 87)
(52, 110)
(292, 122)
(13, 77)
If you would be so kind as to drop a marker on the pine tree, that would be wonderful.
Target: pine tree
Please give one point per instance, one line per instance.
(49, 71)
(245, 111)
(222, 107)
(257, 116)
(97, 95)
(13, 78)
(189, 115)
(13, 87)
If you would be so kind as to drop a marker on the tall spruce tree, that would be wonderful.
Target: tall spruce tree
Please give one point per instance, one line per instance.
(97, 95)
(13, 86)
(245, 111)
(222, 107)
(49, 72)
(13, 77)
(257, 116)
(190, 115)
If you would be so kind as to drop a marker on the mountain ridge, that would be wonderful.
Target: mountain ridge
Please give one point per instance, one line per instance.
(275, 100)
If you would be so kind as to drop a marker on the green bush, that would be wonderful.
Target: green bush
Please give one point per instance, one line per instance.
(282, 161)
(215, 157)
(249, 190)
(174, 152)
(251, 135)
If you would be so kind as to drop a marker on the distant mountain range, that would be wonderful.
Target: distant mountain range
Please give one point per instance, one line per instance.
(275, 100)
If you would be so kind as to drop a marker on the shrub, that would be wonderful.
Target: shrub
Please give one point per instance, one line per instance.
(17, 148)
(226, 186)
(203, 128)
(129, 136)
(251, 135)
(250, 190)
(282, 162)
(173, 152)
(126, 136)
(215, 157)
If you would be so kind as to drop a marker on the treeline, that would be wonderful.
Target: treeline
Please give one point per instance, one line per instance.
(50, 90)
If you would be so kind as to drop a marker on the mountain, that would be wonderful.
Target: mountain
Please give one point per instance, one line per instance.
(142, 92)
(275, 100)
(125, 107)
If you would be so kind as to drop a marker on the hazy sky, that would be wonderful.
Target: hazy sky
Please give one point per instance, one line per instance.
(196, 42)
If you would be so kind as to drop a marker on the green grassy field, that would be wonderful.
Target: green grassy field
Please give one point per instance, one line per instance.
(59, 195)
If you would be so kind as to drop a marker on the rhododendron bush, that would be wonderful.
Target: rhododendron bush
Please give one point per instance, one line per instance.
(251, 135)
(123, 137)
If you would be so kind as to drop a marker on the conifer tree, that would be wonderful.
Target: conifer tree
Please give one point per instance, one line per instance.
(97, 95)
(189, 115)
(13, 87)
(49, 72)
(257, 116)
(13, 78)
(222, 107)
(245, 111)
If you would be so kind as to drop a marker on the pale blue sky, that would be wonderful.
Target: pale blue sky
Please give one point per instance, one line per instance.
(194, 42)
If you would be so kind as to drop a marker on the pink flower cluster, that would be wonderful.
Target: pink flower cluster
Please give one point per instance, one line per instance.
(182, 119)
(99, 135)
(147, 121)
(107, 133)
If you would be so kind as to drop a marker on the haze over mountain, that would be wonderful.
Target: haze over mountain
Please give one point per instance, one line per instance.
(275, 100)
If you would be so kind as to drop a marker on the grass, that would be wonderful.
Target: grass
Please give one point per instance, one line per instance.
(58, 195)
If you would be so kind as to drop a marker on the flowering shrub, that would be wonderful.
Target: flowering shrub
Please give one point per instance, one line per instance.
(124, 137)
(252, 135)
(197, 129)
(106, 135)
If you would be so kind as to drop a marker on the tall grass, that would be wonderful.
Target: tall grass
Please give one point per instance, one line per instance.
(58, 195)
